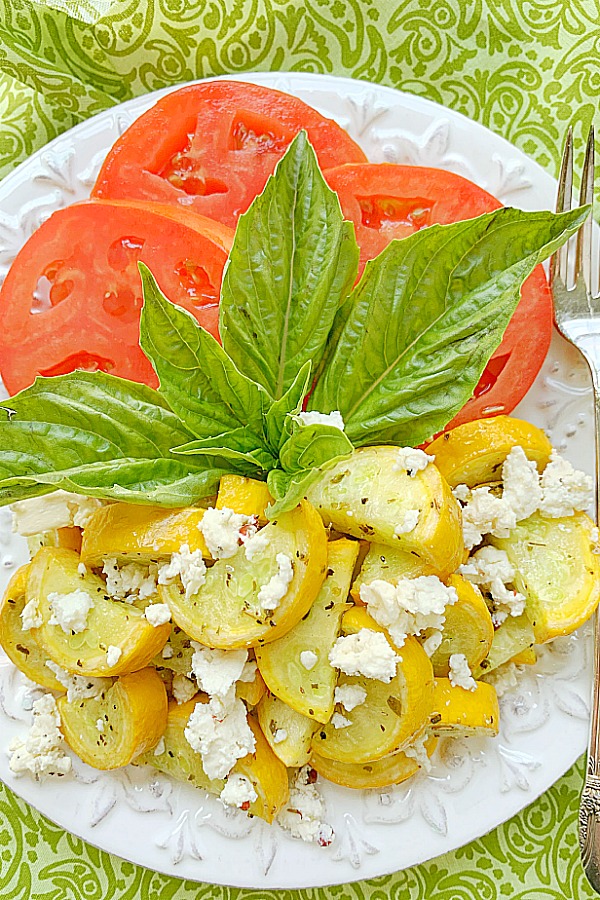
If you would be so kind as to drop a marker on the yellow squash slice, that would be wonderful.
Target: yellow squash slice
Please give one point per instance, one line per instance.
(244, 495)
(468, 628)
(226, 612)
(109, 622)
(288, 732)
(461, 713)
(308, 687)
(557, 571)
(389, 564)
(474, 453)
(368, 496)
(177, 653)
(251, 692)
(513, 637)
(527, 657)
(20, 646)
(268, 775)
(114, 728)
(141, 534)
(391, 769)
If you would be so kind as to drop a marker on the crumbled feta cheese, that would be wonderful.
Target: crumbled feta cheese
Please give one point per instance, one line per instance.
(491, 569)
(130, 582)
(432, 641)
(340, 721)
(186, 565)
(460, 673)
(276, 588)
(70, 611)
(504, 678)
(317, 418)
(409, 523)
(79, 687)
(521, 484)
(255, 544)
(308, 659)
(82, 570)
(100, 725)
(160, 747)
(167, 652)
(238, 791)
(60, 509)
(249, 671)
(30, 615)
(280, 736)
(216, 671)
(183, 688)
(350, 696)
(222, 531)
(113, 655)
(365, 653)
(219, 732)
(418, 751)
(409, 607)
(158, 614)
(564, 490)
(486, 514)
(412, 460)
(462, 492)
(305, 810)
(41, 752)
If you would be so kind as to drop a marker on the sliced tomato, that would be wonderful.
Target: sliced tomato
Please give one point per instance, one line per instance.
(211, 147)
(72, 297)
(386, 201)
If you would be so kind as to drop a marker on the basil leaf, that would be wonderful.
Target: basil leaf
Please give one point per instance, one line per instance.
(425, 318)
(198, 379)
(311, 446)
(293, 260)
(240, 446)
(288, 489)
(278, 418)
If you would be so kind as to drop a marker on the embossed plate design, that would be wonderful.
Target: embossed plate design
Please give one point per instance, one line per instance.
(474, 785)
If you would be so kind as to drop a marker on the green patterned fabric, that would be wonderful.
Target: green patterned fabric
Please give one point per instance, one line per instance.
(525, 70)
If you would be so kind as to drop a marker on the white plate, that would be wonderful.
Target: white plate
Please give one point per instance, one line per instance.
(150, 820)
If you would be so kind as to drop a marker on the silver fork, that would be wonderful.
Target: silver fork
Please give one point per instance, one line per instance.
(577, 314)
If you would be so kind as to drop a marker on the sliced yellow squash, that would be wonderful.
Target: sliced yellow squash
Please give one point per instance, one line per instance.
(474, 453)
(463, 713)
(389, 564)
(468, 628)
(226, 611)
(369, 496)
(296, 667)
(391, 769)
(177, 653)
(114, 728)
(244, 495)
(526, 657)
(20, 646)
(513, 637)
(251, 692)
(288, 732)
(110, 623)
(557, 571)
(268, 776)
(141, 534)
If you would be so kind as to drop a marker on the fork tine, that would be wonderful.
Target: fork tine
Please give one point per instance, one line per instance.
(559, 261)
(583, 260)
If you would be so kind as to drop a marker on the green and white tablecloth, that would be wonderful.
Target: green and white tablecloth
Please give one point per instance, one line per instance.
(524, 69)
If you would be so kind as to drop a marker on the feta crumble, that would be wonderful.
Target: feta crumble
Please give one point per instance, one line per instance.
(418, 751)
(167, 652)
(160, 747)
(255, 544)
(186, 565)
(521, 484)
(486, 514)
(82, 570)
(222, 531)
(130, 582)
(433, 640)
(157, 614)
(303, 816)
(318, 418)
(41, 752)
(340, 721)
(183, 688)
(31, 616)
(219, 732)
(308, 659)
(491, 569)
(564, 490)
(113, 655)
(460, 673)
(276, 588)
(365, 653)
(409, 523)
(60, 509)
(280, 736)
(100, 725)
(216, 671)
(70, 611)
(79, 687)
(238, 791)
(412, 460)
(249, 672)
(350, 696)
(409, 607)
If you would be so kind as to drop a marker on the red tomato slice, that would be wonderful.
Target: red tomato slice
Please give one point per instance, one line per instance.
(386, 201)
(211, 147)
(72, 297)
